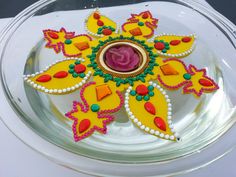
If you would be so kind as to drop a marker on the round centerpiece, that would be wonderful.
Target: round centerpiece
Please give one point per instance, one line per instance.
(122, 58)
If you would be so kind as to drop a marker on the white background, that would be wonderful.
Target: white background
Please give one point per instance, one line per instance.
(18, 160)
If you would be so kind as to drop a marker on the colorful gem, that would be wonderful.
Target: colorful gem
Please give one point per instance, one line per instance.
(96, 16)
(167, 70)
(145, 16)
(80, 68)
(140, 23)
(136, 31)
(186, 39)
(175, 42)
(107, 32)
(205, 83)
(61, 74)
(146, 97)
(81, 45)
(142, 90)
(150, 88)
(81, 75)
(187, 76)
(84, 125)
(95, 107)
(68, 41)
(102, 91)
(53, 35)
(149, 107)
(159, 46)
(138, 97)
(44, 78)
(132, 92)
(151, 93)
(100, 23)
(159, 122)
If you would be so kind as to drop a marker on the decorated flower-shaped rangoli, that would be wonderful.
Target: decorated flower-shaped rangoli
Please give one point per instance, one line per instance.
(128, 67)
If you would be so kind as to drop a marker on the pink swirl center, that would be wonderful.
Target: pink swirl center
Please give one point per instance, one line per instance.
(122, 58)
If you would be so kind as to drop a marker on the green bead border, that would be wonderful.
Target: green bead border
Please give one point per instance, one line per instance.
(130, 80)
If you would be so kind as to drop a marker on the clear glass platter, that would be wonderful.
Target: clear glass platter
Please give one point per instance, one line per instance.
(38, 119)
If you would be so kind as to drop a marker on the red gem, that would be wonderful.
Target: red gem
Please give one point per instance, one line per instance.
(186, 39)
(142, 90)
(96, 16)
(84, 125)
(106, 32)
(79, 68)
(100, 23)
(159, 46)
(174, 42)
(205, 82)
(159, 122)
(44, 78)
(61, 74)
(150, 108)
(145, 16)
(53, 35)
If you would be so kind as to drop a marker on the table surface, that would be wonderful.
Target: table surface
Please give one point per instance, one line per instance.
(19, 160)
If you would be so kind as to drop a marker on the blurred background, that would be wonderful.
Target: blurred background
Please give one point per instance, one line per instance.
(10, 8)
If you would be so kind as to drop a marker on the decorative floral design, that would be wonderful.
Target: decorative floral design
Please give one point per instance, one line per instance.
(124, 61)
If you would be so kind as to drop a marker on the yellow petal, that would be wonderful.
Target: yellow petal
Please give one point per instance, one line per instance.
(93, 23)
(151, 111)
(70, 44)
(140, 25)
(173, 45)
(58, 78)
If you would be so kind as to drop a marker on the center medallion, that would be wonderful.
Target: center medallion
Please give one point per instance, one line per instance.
(122, 59)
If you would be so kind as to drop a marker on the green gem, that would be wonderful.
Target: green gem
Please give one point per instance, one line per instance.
(150, 87)
(71, 66)
(75, 75)
(99, 32)
(187, 76)
(71, 71)
(146, 97)
(140, 23)
(167, 47)
(166, 44)
(95, 107)
(155, 41)
(68, 41)
(139, 98)
(151, 93)
(164, 51)
(133, 92)
(77, 62)
(81, 75)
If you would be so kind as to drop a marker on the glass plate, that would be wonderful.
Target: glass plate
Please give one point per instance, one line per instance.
(38, 119)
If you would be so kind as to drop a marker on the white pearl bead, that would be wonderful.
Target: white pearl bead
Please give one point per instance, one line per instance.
(142, 127)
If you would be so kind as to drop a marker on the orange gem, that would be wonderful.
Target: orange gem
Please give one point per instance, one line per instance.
(168, 70)
(136, 31)
(81, 45)
(102, 91)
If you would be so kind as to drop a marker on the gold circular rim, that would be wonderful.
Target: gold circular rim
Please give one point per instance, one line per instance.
(140, 50)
